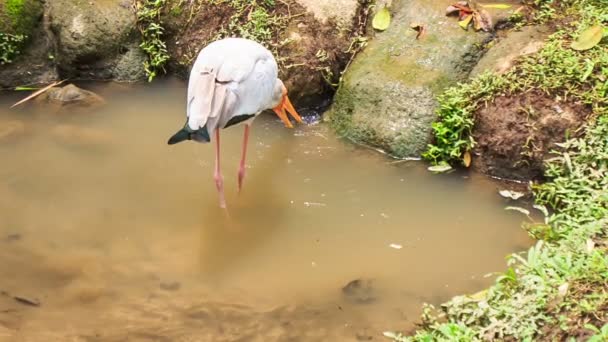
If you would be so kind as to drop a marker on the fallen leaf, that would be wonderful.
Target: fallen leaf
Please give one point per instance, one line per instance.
(481, 295)
(451, 10)
(521, 210)
(440, 168)
(588, 39)
(459, 6)
(382, 19)
(511, 194)
(497, 6)
(38, 93)
(466, 159)
(23, 88)
(477, 21)
(562, 290)
(465, 22)
(418, 28)
(486, 23)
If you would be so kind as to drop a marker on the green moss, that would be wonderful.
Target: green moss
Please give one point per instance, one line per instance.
(22, 16)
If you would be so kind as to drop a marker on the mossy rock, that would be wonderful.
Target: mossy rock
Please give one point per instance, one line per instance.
(387, 97)
(96, 39)
(19, 17)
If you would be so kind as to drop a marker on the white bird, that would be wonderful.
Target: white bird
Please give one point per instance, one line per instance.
(232, 81)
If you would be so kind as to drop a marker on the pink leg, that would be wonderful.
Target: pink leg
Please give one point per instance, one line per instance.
(243, 157)
(219, 179)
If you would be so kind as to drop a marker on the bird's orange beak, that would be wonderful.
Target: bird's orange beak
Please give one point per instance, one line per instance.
(286, 107)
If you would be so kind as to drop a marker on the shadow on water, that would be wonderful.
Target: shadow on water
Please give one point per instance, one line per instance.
(229, 235)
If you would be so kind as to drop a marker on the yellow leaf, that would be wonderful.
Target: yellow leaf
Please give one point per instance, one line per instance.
(588, 39)
(382, 19)
(466, 159)
(465, 22)
(497, 6)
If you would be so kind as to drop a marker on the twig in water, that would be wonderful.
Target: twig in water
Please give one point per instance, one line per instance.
(38, 93)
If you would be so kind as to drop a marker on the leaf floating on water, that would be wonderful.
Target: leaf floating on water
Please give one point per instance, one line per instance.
(467, 15)
(521, 210)
(440, 168)
(27, 301)
(382, 19)
(497, 6)
(466, 159)
(588, 39)
(515, 195)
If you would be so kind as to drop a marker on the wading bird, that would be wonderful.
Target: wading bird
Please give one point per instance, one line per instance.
(232, 81)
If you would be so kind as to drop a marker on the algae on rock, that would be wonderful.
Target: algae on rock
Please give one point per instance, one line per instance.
(387, 97)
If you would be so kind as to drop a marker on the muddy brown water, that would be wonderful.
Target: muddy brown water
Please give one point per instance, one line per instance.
(119, 237)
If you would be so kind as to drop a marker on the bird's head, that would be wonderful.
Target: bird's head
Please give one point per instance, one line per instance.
(282, 105)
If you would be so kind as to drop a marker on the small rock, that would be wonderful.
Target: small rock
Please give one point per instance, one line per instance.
(360, 291)
(71, 94)
(364, 335)
(170, 286)
(12, 237)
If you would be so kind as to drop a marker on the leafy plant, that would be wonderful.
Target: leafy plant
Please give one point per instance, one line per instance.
(556, 69)
(150, 26)
(9, 46)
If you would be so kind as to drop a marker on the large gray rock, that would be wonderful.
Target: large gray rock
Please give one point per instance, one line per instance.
(386, 99)
(96, 39)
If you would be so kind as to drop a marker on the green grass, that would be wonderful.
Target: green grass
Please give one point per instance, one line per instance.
(556, 70)
(257, 20)
(10, 46)
(152, 31)
(558, 290)
(17, 19)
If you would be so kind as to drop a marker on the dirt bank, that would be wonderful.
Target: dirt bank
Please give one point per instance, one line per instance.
(515, 134)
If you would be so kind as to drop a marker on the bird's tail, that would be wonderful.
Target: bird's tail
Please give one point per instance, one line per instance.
(200, 135)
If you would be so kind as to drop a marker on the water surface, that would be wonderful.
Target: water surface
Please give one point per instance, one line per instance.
(119, 236)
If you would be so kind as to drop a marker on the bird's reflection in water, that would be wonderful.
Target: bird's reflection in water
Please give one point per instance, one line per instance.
(230, 235)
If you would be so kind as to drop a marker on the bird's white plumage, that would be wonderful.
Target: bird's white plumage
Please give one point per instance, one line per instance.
(231, 77)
